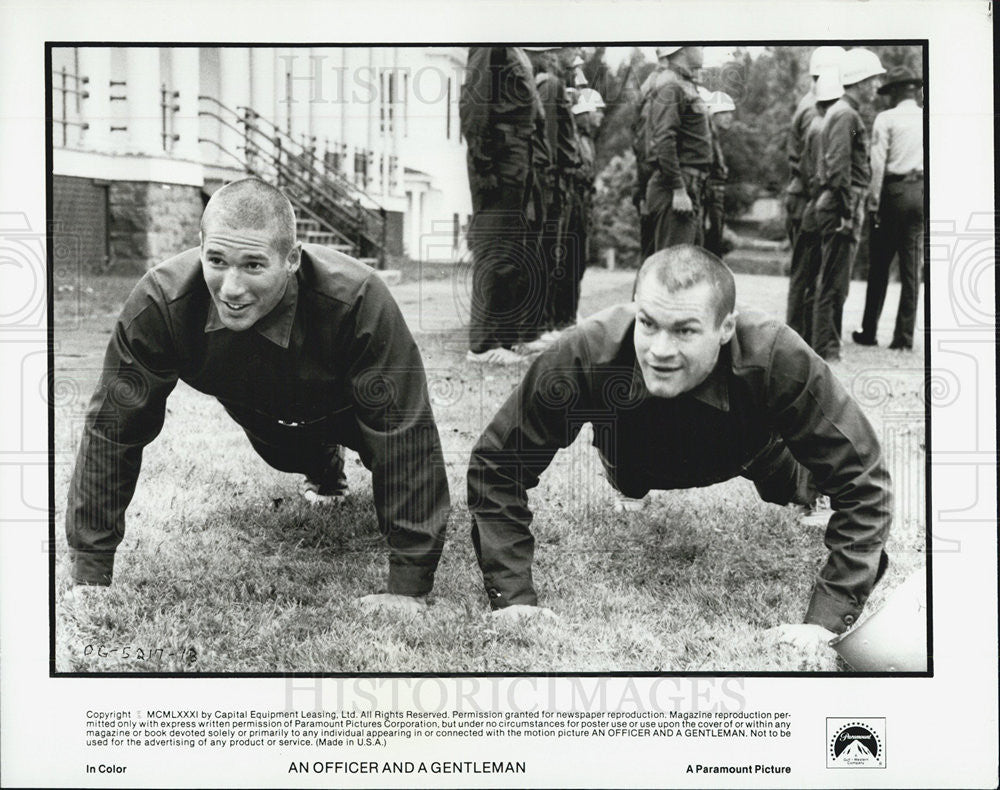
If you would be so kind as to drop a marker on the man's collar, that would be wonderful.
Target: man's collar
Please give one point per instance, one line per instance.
(851, 101)
(683, 71)
(276, 326)
(713, 391)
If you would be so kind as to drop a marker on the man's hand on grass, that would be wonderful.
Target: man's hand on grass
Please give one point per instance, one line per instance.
(805, 637)
(389, 602)
(520, 612)
(84, 593)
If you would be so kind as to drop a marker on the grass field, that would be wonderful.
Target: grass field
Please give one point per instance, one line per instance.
(223, 568)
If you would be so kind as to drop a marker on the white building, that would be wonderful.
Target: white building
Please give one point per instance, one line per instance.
(143, 135)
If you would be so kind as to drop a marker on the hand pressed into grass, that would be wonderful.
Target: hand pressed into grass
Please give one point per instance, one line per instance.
(396, 604)
(521, 612)
(805, 637)
(82, 593)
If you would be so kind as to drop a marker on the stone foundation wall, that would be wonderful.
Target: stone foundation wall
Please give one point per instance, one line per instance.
(149, 222)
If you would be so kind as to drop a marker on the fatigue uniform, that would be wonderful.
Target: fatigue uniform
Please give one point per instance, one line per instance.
(840, 211)
(678, 154)
(897, 157)
(497, 110)
(333, 364)
(796, 195)
(579, 223)
(807, 253)
(770, 411)
(556, 244)
(642, 167)
(715, 196)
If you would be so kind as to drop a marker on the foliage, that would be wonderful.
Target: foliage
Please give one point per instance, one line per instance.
(614, 219)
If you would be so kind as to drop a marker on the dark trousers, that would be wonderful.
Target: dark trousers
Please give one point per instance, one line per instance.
(775, 473)
(567, 289)
(503, 257)
(807, 257)
(715, 217)
(533, 285)
(795, 204)
(669, 227)
(304, 449)
(554, 258)
(834, 279)
(900, 232)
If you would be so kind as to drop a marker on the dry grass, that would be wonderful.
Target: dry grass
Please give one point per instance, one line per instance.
(224, 569)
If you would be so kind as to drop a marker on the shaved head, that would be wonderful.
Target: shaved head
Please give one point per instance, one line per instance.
(681, 267)
(252, 204)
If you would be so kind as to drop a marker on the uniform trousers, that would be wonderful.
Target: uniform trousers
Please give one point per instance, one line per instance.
(669, 227)
(900, 232)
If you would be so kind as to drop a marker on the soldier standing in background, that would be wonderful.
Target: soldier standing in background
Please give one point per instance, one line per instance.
(822, 59)
(721, 108)
(841, 205)
(589, 112)
(642, 169)
(678, 149)
(560, 133)
(807, 254)
(897, 202)
(497, 110)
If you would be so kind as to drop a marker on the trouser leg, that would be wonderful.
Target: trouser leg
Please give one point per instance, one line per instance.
(780, 479)
(806, 256)
(501, 255)
(303, 452)
(911, 255)
(715, 218)
(670, 227)
(832, 283)
(881, 250)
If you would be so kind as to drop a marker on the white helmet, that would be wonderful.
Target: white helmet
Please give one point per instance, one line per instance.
(541, 49)
(664, 52)
(828, 85)
(894, 638)
(859, 64)
(588, 101)
(720, 101)
(823, 58)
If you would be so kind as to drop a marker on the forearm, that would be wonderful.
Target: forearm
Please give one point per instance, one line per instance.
(410, 488)
(501, 532)
(828, 434)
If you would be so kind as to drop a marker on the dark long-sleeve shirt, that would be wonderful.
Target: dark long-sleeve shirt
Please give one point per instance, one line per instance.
(845, 154)
(767, 386)
(335, 356)
(498, 108)
(560, 128)
(811, 164)
(676, 130)
(804, 114)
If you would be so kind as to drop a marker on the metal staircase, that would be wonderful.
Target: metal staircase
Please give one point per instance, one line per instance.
(331, 210)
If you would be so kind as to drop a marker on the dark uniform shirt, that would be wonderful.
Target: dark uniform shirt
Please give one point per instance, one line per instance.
(335, 357)
(767, 387)
(497, 110)
(803, 116)
(560, 128)
(676, 128)
(846, 169)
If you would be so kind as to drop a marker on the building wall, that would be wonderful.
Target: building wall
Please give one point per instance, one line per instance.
(397, 106)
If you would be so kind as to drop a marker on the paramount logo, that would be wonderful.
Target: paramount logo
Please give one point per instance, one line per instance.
(855, 743)
(856, 753)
